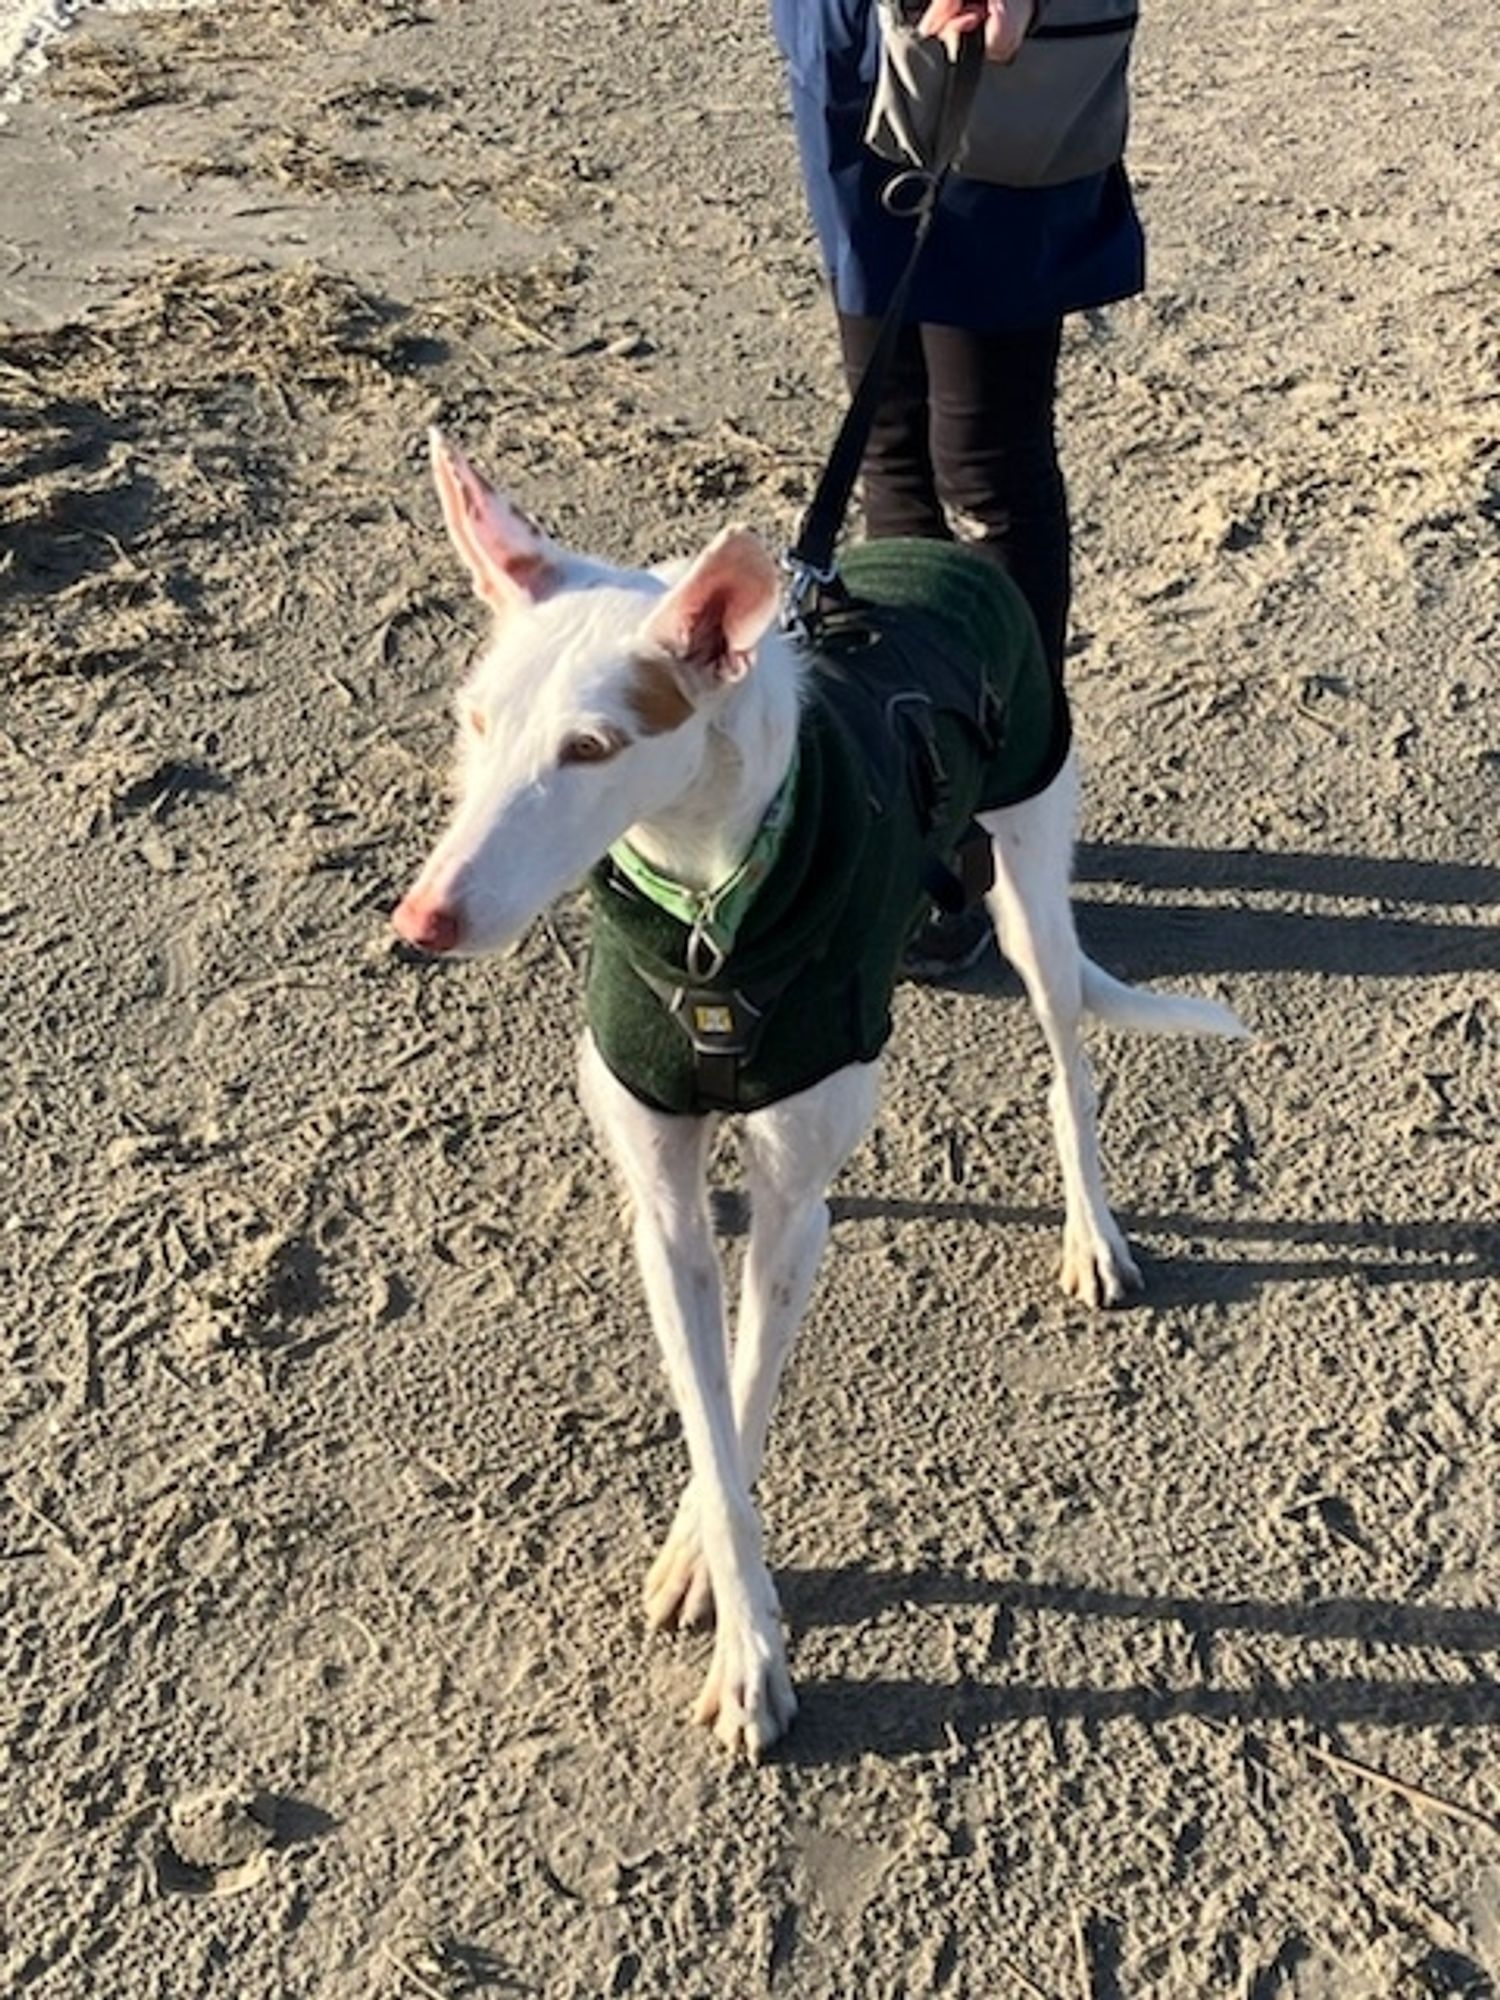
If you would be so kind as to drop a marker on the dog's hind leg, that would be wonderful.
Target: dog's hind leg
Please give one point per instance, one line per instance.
(792, 1150)
(1033, 914)
(748, 1695)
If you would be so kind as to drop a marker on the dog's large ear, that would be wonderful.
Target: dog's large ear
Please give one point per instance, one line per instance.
(509, 561)
(714, 618)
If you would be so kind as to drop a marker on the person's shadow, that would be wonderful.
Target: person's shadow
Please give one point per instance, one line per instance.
(842, 1720)
(1407, 1253)
(1157, 939)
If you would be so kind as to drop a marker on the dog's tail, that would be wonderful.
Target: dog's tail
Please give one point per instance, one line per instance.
(1140, 1011)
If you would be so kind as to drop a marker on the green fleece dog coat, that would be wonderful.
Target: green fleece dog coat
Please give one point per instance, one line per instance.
(927, 700)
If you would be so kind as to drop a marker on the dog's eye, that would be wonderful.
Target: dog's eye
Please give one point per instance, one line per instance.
(592, 746)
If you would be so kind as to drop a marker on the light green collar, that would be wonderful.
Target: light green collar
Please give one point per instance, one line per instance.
(714, 916)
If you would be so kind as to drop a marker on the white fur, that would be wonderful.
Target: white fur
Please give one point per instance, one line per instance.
(690, 799)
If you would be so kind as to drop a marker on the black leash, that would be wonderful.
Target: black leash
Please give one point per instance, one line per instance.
(810, 565)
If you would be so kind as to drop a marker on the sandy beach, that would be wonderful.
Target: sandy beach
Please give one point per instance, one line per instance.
(1143, 1656)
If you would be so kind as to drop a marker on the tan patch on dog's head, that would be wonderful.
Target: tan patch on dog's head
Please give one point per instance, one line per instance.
(655, 696)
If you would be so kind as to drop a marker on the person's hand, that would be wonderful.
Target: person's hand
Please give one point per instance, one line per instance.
(1004, 23)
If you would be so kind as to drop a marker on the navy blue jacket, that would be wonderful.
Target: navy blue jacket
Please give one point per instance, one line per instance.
(999, 259)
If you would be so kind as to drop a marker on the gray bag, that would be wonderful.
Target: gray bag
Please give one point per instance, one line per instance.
(1056, 113)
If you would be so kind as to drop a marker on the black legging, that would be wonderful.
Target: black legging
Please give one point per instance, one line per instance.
(964, 448)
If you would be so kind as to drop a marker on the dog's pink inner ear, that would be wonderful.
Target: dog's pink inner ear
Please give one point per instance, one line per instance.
(707, 633)
(716, 616)
(509, 561)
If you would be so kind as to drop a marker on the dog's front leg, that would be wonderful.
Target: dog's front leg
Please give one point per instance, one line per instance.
(748, 1695)
(792, 1150)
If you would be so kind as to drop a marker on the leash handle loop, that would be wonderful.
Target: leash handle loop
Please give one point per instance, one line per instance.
(911, 192)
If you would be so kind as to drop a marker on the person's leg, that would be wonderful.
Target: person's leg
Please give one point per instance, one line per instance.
(993, 448)
(963, 444)
(897, 487)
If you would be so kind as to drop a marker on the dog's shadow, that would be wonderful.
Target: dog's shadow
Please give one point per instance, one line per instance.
(1152, 939)
(842, 1720)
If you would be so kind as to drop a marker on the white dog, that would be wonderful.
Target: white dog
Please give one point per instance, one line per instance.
(666, 722)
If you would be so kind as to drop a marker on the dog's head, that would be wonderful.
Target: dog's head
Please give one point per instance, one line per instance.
(585, 713)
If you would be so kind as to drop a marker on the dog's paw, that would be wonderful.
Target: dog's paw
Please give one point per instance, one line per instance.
(747, 1699)
(678, 1592)
(1097, 1266)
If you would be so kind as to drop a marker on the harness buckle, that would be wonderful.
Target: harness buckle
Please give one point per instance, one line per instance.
(724, 1029)
(718, 1023)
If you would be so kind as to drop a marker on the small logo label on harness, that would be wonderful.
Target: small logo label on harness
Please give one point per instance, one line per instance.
(713, 1020)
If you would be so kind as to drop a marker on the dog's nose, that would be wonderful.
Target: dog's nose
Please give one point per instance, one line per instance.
(431, 926)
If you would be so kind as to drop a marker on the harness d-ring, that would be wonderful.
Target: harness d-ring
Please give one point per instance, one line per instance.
(703, 958)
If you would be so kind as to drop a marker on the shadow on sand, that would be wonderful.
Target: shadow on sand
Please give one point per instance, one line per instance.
(843, 1720)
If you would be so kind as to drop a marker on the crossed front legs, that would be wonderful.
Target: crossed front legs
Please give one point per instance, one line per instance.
(713, 1554)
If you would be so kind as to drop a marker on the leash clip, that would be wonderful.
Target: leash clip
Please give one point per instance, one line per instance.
(806, 581)
(811, 589)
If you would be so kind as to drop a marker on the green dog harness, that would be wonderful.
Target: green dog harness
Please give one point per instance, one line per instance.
(928, 699)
